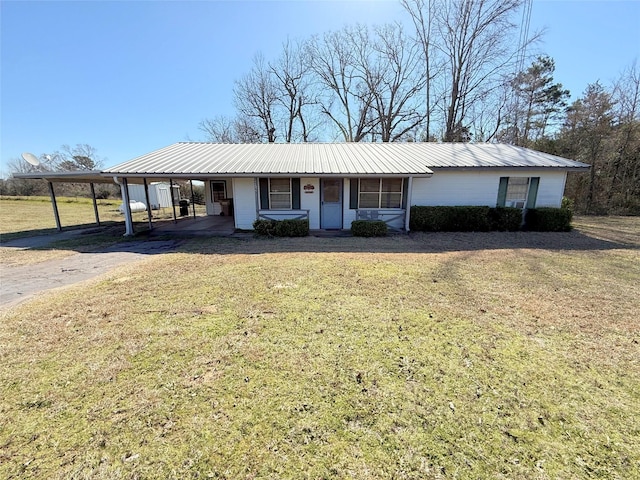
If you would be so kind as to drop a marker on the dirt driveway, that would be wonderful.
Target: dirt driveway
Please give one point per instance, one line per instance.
(22, 282)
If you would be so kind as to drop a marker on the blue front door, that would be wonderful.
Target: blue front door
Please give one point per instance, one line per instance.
(331, 201)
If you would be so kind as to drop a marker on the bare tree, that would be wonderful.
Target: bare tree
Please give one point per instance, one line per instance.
(477, 43)
(624, 190)
(487, 115)
(256, 96)
(333, 59)
(588, 129)
(67, 158)
(220, 129)
(80, 157)
(395, 79)
(422, 14)
(292, 75)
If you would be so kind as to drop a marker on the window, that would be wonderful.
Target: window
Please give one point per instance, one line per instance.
(380, 193)
(279, 193)
(518, 192)
(517, 189)
(218, 190)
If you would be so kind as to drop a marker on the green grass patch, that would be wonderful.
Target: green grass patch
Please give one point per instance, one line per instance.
(224, 362)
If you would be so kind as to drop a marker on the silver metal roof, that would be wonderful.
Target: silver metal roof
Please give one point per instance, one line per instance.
(189, 159)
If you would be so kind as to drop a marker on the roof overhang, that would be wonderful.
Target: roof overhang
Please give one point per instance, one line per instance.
(155, 176)
(83, 176)
(574, 168)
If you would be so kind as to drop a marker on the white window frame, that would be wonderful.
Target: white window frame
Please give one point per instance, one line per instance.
(381, 192)
(290, 207)
(517, 201)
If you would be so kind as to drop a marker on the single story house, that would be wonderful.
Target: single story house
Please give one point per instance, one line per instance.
(335, 183)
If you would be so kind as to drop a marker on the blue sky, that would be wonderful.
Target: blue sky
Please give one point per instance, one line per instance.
(128, 77)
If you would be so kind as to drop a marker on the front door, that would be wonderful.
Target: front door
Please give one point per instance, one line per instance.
(331, 201)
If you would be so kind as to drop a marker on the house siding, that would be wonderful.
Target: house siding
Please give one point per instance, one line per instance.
(311, 201)
(244, 202)
(450, 188)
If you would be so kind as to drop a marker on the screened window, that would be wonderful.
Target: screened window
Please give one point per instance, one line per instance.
(380, 193)
(517, 189)
(518, 192)
(218, 190)
(280, 193)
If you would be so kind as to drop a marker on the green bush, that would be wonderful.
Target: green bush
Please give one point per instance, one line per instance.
(368, 228)
(281, 228)
(567, 203)
(450, 219)
(505, 219)
(548, 220)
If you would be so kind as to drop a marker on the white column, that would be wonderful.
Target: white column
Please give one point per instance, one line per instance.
(128, 220)
(408, 212)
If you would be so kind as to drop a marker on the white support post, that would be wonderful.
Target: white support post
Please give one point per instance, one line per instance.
(146, 197)
(173, 201)
(408, 212)
(128, 220)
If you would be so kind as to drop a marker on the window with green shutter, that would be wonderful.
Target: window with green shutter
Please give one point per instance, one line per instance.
(279, 193)
(518, 192)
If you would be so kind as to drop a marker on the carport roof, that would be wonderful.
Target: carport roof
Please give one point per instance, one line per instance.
(80, 176)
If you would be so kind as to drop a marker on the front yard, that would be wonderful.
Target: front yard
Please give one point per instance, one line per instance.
(425, 356)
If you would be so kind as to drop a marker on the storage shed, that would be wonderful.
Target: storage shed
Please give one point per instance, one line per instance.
(159, 194)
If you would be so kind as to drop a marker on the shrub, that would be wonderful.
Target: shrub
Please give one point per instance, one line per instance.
(505, 219)
(368, 228)
(548, 220)
(281, 228)
(450, 219)
(567, 203)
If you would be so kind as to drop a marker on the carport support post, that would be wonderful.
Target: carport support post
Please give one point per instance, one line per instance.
(128, 221)
(55, 206)
(408, 212)
(173, 201)
(95, 203)
(192, 201)
(146, 196)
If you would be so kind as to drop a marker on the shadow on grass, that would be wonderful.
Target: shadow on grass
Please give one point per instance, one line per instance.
(109, 238)
(86, 228)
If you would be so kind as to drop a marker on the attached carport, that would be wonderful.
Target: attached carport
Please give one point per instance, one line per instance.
(93, 177)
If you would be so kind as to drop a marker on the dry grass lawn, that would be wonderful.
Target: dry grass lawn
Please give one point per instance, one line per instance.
(500, 355)
(33, 216)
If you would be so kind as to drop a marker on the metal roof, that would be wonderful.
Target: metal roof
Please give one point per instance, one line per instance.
(193, 160)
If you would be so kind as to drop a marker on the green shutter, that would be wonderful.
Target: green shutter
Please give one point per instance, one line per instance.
(295, 193)
(405, 192)
(264, 193)
(353, 193)
(502, 192)
(533, 192)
